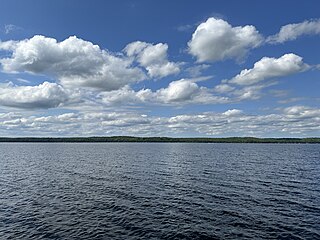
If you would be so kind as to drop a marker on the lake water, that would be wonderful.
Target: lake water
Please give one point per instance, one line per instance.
(159, 191)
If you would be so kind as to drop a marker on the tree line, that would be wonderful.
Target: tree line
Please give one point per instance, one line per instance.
(161, 139)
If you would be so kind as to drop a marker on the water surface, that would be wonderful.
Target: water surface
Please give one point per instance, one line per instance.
(159, 191)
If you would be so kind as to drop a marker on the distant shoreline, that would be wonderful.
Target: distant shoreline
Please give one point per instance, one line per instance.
(160, 139)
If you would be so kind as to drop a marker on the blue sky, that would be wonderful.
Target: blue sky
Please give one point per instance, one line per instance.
(160, 68)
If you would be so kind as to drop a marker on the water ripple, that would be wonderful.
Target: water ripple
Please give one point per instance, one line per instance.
(159, 191)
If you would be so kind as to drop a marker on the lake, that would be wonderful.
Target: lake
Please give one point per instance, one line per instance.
(159, 191)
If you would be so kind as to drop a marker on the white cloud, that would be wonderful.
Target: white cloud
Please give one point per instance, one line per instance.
(291, 121)
(216, 40)
(8, 45)
(75, 62)
(52, 125)
(8, 28)
(293, 31)
(187, 91)
(269, 68)
(223, 88)
(252, 92)
(126, 95)
(180, 92)
(163, 69)
(45, 95)
(135, 48)
(302, 112)
(154, 58)
(245, 86)
(249, 83)
(233, 112)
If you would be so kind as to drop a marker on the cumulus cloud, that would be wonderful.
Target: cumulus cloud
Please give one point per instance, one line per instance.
(293, 31)
(8, 45)
(241, 93)
(125, 95)
(82, 124)
(52, 125)
(180, 92)
(153, 57)
(233, 112)
(300, 111)
(291, 121)
(250, 83)
(216, 40)
(252, 92)
(75, 62)
(295, 120)
(223, 88)
(187, 91)
(269, 68)
(45, 95)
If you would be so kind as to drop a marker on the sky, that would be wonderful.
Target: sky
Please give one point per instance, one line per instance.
(160, 68)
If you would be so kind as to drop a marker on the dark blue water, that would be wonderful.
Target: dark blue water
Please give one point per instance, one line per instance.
(159, 191)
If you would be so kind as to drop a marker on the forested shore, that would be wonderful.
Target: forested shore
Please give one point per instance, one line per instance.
(161, 139)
